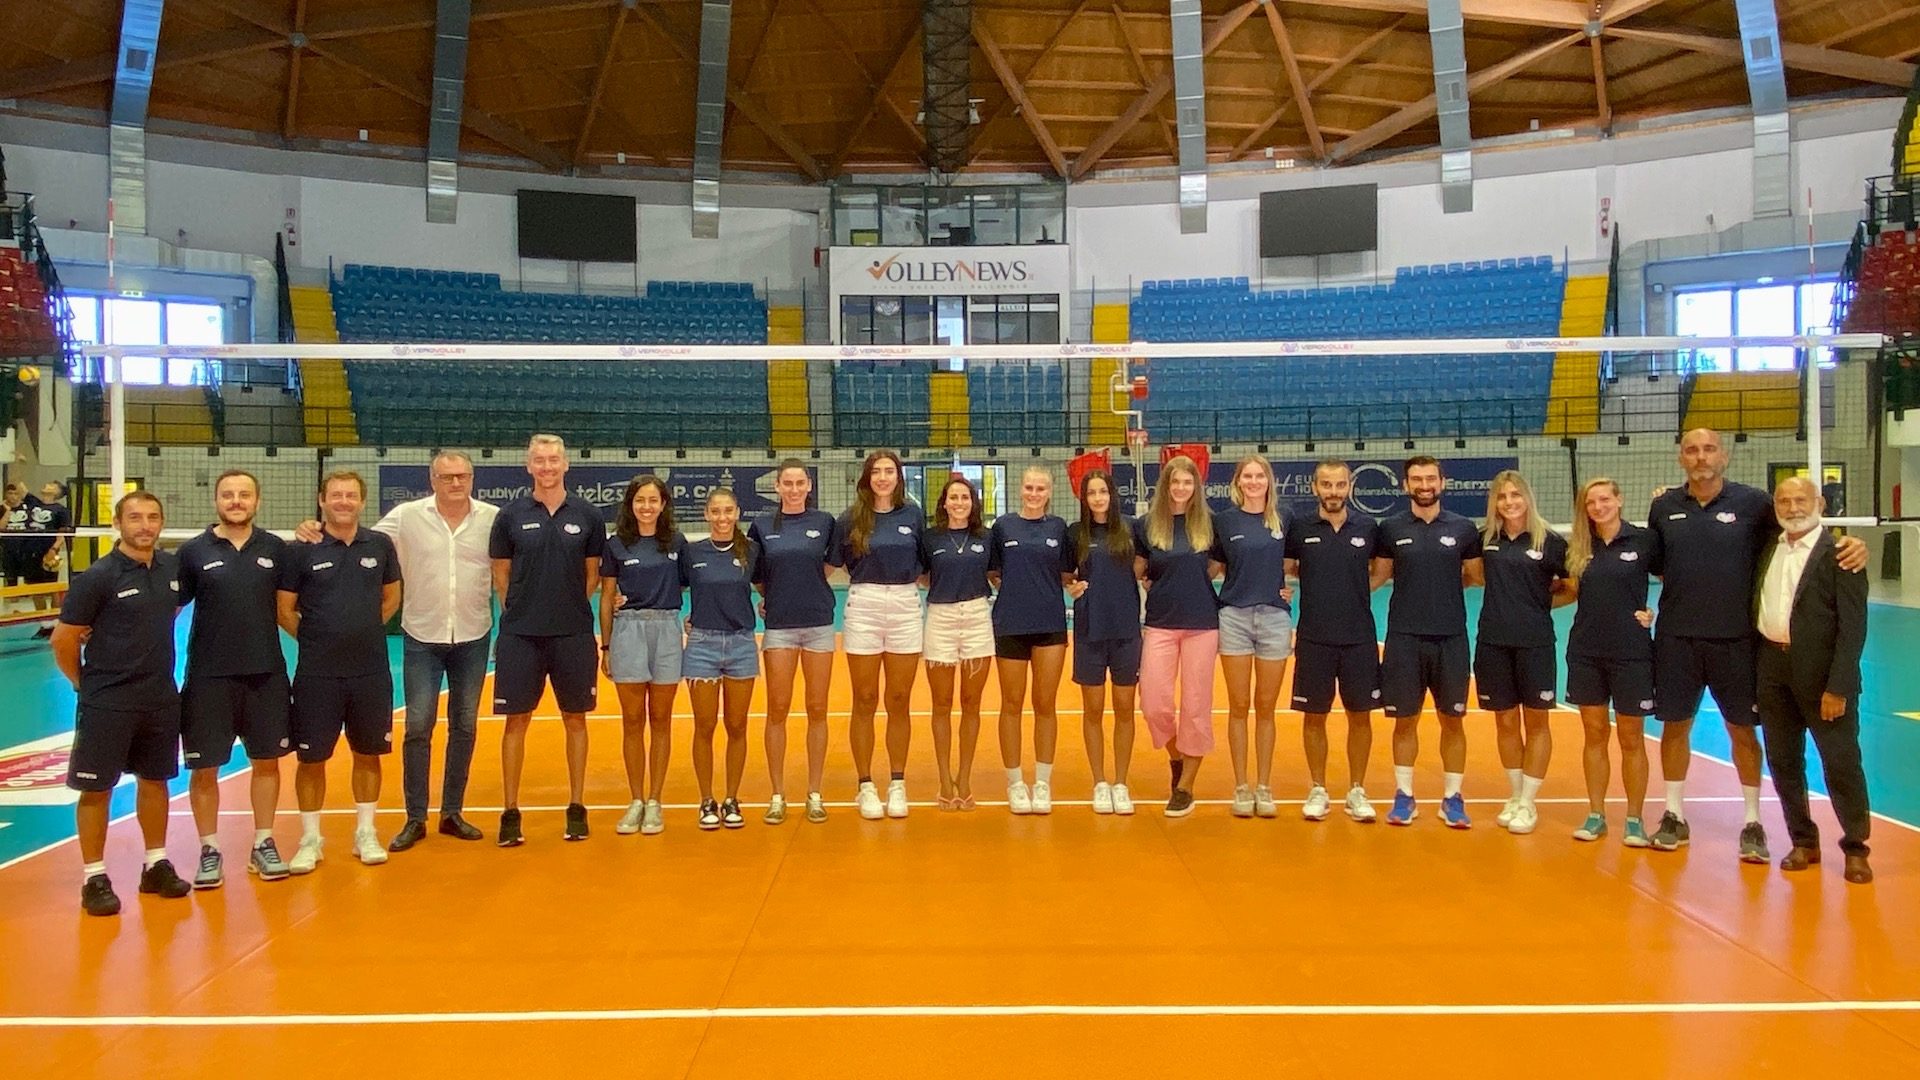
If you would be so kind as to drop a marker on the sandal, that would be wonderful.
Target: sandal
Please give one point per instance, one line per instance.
(964, 803)
(947, 805)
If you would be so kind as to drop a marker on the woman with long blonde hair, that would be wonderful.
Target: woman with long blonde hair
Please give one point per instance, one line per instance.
(1031, 562)
(1181, 636)
(1256, 629)
(798, 542)
(882, 632)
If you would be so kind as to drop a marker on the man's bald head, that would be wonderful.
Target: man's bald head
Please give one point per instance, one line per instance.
(1703, 455)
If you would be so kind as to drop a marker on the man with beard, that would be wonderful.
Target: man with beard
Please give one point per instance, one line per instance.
(1331, 555)
(236, 675)
(122, 608)
(1712, 532)
(1426, 550)
(1812, 618)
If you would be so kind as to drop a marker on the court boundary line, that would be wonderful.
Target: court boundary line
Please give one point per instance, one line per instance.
(965, 1012)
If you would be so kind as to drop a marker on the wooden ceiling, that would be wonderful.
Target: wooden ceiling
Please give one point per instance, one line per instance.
(822, 88)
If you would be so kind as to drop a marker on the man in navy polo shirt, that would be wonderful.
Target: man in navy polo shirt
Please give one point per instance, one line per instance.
(335, 598)
(123, 607)
(236, 675)
(1332, 555)
(546, 562)
(1426, 549)
(1712, 532)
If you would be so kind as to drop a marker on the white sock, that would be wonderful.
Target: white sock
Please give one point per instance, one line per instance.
(214, 841)
(154, 855)
(1453, 780)
(1043, 772)
(363, 816)
(1514, 778)
(1676, 798)
(1529, 788)
(309, 824)
(1752, 795)
(1403, 778)
(261, 836)
(93, 869)
(1015, 776)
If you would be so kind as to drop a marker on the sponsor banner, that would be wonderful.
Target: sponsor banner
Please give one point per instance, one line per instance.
(1377, 490)
(1014, 270)
(35, 773)
(603, 485)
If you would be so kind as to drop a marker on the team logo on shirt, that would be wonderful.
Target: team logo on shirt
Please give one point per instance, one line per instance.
(906, 530)
(1536, 556)
(1676, 517)
(1725, 517)
(319, 566)
(1458, 706)
(265, 563)
(977, 549)
(1402, 542)
(1279, 534)
(1629, 556)
(215, 563)
(1052, 543)
(1358, 541)
(174, 584)
(1448, 541)
(1646, 703)
(124, 593)
(570, 529)
(1011, 543)
(673, 556)
(529, 525)
(631, 562)
(1546, 695)
(1376, 695)
(1236, 536)
(1315, 540)
(699, 566)
(812, 534)
(369, 562)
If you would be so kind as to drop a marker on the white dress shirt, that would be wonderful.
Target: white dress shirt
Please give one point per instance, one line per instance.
(448, 575)
(1781, 582)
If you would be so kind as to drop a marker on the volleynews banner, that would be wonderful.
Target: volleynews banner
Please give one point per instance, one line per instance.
(603, 485)
(1377, 490)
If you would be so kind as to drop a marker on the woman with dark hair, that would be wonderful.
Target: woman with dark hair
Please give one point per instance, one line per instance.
(1181, 638)
(880, 547)
(1031, 563)
(959, 632)
(721, 655)
(797, 544)
(1106, 635)
(640, 639)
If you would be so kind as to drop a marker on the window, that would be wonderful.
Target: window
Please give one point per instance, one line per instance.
(1768, 311)
(1759, 310)
(127, 320)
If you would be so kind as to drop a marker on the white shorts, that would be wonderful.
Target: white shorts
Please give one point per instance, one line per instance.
(962, 631)
(881, 619)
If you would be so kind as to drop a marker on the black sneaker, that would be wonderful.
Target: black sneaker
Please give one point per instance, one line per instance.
(98, 898)
(162, 880)
(730, 815)
(1181, 804)
(510, 835)
(1753, 844)
(576, 821)
(709, 815)
(410, 834)
(1673, 833)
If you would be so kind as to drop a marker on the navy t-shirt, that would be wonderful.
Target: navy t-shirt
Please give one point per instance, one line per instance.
(1336, 589)
(547, 587)
(1612, 588)
(235, 625)
(721, 584)
(956, 565)
(1517, 610)
(893, 551)
(649, 579)
(1428, 595)
(339, 584)
(44, 518)
(1255, 557)
(127, 663)
(1711, 553)
(792, 571)
(1180, 593)
(1110, 608)
(1031, 556)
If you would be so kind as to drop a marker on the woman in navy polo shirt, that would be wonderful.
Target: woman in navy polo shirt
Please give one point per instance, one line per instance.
(640, 642)
(1106, 635)
(797, 544)
(1610, 649)
(880, 547)
(1256, 627)
(721, 653)
(1031, 564)
(1523, 563)
(1181, 637)
(959, 634)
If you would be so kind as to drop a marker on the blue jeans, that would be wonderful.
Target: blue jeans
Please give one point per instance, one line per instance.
(464, 669)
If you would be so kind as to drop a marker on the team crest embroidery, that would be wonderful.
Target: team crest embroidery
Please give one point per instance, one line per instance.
(571, 529)
(1052, 543)
(1011, 543)
(1629, 556)
(1725, 517)
(977, 549)
(1646, 703)
(813, 534)
(1446, 541)
(1359, 541)
(369, 562)
(174, 585)
(673, 556)
(265, 563)
(906, 530)
(1536, 556)
(1546, 695)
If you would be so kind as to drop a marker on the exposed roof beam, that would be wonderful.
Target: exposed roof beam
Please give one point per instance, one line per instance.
(1382, 130)
(1557, 14)
(100, 67)
(1046, 50)
(909, 48)
(1140, 70)
(1855, 30)
(289, 119)
(1018, 95)
(600, 82)
(1326, 76)
(1284, 43)
(1595, 47)
(609, 107)
(753, 60)
(1846, 65)
(1156, 92)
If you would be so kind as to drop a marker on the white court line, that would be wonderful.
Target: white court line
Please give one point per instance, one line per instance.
(967, 1012)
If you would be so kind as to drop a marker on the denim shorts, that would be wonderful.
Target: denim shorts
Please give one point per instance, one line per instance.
(804, 638)
(645, 646)
(719, 654)
(1264, 631)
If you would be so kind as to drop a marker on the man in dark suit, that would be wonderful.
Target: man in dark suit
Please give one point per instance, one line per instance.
(1812, 621)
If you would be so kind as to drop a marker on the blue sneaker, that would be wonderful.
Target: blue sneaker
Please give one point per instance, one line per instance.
(1404, 810)
(1453, 811)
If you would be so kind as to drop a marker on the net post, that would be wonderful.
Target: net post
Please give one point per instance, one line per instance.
(1811, 362)
(116, 425)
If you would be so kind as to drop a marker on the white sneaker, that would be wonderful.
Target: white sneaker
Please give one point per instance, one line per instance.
(1042, 797)
(1358, 806)
(630, 821)
(1018, 800)
(367, 848)
(776, 810)
(1103, 798)
(652, 821)
(1122, 800)
(1505, 816)
(1525, 817)
(1263, 802)
(896, 798)
(816, 808)
(1318, 804)
(869, 802)
(1243, 801)
(306, 856)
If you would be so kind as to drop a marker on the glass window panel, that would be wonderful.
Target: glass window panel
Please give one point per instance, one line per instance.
(856, 320)
(86, 318)
(1816, 314)
(1043, 320)
(196, 324)
(142, 371)
(888, 322)
(949, 216)
(1770, 310)
(918, 313)
(1043, 214)
(1706, 313)
(993, 216)
(133, 322)
(981, 314)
